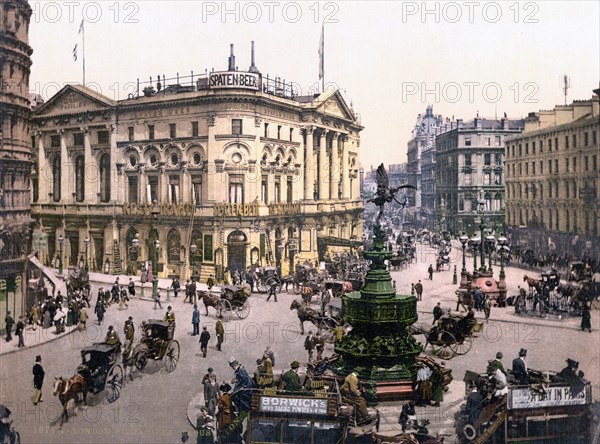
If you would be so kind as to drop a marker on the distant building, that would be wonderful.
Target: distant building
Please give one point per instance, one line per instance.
(15, 156)
(470, 173)
(421, 163)
(553, 179)
(398, 174)
(235, 163)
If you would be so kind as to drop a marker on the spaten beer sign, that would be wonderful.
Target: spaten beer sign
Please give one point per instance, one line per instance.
(310, 406)
(234, 79)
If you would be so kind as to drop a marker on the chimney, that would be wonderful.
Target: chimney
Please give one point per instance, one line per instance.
(253, 67)
(231, 59)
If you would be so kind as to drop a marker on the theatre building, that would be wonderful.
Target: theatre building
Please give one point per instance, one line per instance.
(236, 163)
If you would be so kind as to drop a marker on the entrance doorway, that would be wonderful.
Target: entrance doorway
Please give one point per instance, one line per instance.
(236, 251)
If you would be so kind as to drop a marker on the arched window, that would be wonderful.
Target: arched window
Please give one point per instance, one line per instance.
(132, 251)
(173, 246)
(197, 239)
(79, 178)
(56, 173)
(105, 178)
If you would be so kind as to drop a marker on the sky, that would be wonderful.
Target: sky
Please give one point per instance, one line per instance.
(389, 59)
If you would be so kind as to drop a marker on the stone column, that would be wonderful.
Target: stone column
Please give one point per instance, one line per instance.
(44, 171)
(323, 170)
(185, 190)
(67, 176)
(118, 182)
(91, 174)
(142, 184)
(212, 179)
(334, 167)
(309, 165)
(345, 170)
(163, 192)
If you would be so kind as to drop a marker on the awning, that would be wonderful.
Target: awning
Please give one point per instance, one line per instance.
(338, 241)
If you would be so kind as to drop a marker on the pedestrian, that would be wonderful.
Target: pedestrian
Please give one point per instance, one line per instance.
(196, 321)
(129, 329)
(419, 290)
(175, 285)
(156, 298)
(430, 271)
(242, 391)
(19, 332)
(478, 298)
(319, 345)
(496, 364)
(291, 380)
(407, 413)
(423, 386)
(83, 317)
(437, 312)
(122, 300)
(204, 338)
(487, 308)
(268, 366)
(586, 317)
(437, 386)
(112, 337)
(519, 368)
(273, 290)
(211, 391)
(338, 333)
(9, 322)
(309, 345)
(36, 314)
(259, 373)
(99, 310)
(131, 288)
(460, 300)
(38, 379)
(210, 282)
(220, 332)
(268, 352)
(169, 316)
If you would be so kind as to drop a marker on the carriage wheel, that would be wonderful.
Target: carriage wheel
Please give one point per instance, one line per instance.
(469, 432)
(261, 286)
(243, 311)
(443, 347)
(224, 306)
(171, 356)
(462, 348)
(140, 362)
(113, 383)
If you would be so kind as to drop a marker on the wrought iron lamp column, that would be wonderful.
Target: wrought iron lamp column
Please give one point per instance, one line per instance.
(61, 239)
(154, 268)
(86, 241)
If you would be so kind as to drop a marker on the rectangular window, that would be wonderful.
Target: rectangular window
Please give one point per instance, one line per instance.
(55, 141)
(533, 168)
(197, 187)
(549, 145)
(468, 179)
(594, 163)
(236, 189)
(498, 159)
(520, 169)
(498, 141)
(556, 144)
(194, 129)
(556, 165)
(550, 166)
(533, 147)
(526, 149)
(566, 142)
(486, 178)
(103, 137)
(208, 248)
(289, 190)
(487, 159)
(467, 160)
(152, 189)
(541, 146)
(574, 140)
(264, 190)
(150, 132)
(586, 139)
(291, 134)
(467, 141)
(78, 139)
(542, 167)
(594, 140)
(567, 164)
(520, 150)
(567, 189)
(277, 190)
(133, 189)
(172, 130)
(262, 243)
(526, 168)
(266, 130)
(497, 178)
(575, 164)
(488, 141)
(173, 189)
(513, 151)
(130, 133)
(585, 163)
(278, 131)
(236, 126)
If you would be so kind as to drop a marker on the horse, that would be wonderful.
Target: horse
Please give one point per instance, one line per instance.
(533, 283)
(67, 390)
(210, 300)
(305, 313)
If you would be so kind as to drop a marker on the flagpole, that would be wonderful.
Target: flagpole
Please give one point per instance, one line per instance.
(83, 38)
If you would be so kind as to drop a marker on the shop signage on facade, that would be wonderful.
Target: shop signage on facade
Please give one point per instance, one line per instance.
(555, 396)
(308, 406)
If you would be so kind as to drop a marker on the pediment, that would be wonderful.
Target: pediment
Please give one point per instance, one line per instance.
(334, 105)
(73, 99)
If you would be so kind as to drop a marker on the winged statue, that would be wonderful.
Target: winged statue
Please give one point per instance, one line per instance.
(385, 193)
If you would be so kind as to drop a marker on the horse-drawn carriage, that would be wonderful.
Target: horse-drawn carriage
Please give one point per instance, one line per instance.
(228, 299)
(579, 271)
(265, 277)
(325, 322)
(157, 343)
(100, 369)
(453, 335)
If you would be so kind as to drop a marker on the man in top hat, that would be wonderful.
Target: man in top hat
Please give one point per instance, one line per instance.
(291, 379)
(38, 379)
(496, 364)
(569, 373)
(519, 368)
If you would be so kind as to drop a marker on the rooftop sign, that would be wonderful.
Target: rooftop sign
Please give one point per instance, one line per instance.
(234, 79)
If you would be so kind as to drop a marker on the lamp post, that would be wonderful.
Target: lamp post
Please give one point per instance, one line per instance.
(475, 241)
(61, 239)
(502, 241)
(280, 249)
(292, 252)
(86, 241)
(490, 243)
(193, 249)
(154, 268)
(135, 242)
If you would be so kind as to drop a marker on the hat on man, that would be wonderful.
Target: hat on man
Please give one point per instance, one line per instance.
(130, 318)
(295, 364)
(169, 307)
(233, 362)
(522, 352)
(210, 369)
(38, 358)
(499, 355)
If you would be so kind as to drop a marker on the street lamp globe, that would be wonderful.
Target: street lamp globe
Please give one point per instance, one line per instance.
(61, 239)
(193, 248)
(463, 240)
(502, 241)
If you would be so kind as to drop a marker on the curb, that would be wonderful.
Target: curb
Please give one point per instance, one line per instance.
(29, 347)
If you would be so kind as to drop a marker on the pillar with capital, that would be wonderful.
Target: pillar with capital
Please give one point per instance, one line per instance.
(323, 170)
(118, 181)
(345, 169)
(67, 176)
(91, 173)
(44, 170)
(309, 165)
(334, 167)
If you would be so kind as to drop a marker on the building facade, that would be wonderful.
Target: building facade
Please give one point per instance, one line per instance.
(15, 155)
(552, 179)
(234, 162)
(470, 174)
(421, 164)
